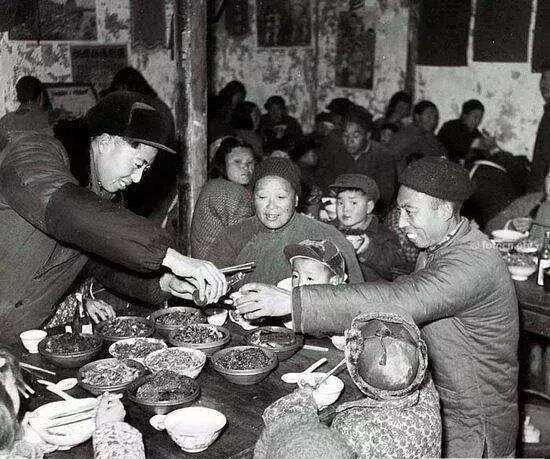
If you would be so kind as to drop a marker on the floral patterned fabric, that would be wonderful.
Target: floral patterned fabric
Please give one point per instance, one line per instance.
(118, 440)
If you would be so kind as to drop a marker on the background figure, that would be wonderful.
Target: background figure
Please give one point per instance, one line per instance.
(29, 116)
(245, 125)
(278, 129)
(220, 109)
(397, 113)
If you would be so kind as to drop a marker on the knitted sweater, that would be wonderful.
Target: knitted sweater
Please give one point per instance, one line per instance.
(250, 240)
(221, 204)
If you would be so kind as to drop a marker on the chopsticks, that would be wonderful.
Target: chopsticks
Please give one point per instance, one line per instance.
(244, 267)
(331, 372)
(28, 366)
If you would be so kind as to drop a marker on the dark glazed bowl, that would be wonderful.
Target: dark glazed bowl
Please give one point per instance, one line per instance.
(110, 338)
(244, 377)
(164, 329)
(73, 359)
(117, 388)
(207, 348)
(282, 352)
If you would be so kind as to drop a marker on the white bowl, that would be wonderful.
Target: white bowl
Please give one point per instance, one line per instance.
(191, 371)
(114, 346)
(193, 429)
(216, 318)
(339, 342)
(31, 338)
(506, 235)
(521, 273)
(327, 393)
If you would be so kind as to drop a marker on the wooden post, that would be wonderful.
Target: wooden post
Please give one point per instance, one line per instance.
(190, 27)
(412, 48)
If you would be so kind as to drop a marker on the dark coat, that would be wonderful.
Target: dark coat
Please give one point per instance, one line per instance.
(50, 225)
(541, 153)
(463, 299)
(457, 139)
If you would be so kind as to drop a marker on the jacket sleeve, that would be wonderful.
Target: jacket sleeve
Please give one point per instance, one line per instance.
(383, 252)
(117, 440)
(441, 290)
(35, 182)
(143, 287)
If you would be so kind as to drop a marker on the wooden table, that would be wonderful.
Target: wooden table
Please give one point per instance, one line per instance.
(242, 405)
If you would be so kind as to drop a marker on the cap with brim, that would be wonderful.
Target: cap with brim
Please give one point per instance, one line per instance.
(129, 115)
(325, 252)
(358, 181)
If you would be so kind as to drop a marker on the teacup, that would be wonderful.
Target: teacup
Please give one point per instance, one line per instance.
(31, 338)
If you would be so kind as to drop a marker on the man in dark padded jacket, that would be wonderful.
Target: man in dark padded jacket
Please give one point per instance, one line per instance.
(50, 226)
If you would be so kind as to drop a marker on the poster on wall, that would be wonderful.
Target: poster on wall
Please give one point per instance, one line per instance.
(283, 23)
(70, 100)
(74, 20)
(97, 64)
(355, 48)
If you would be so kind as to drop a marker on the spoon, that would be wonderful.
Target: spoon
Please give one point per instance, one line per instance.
(60, 387)
(293, 378)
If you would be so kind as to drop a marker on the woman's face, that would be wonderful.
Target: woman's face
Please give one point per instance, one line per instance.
(428, 119)
(239, 165)
(274, 201)
(119, 164)
(401, 110)
(354, 138)
(472, 119)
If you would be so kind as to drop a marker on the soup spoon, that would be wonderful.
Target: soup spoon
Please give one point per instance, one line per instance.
(293, 378)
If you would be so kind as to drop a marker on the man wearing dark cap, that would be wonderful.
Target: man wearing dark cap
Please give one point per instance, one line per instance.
(51, 225)
(460, 295)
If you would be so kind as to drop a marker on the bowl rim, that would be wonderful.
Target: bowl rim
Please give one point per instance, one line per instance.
(100, 325)
(142, 369)
(508, 235)
(190, 350)
(252, 372)
(217, 413)
(162, 311)
(297, 345)
(138, 382)
(42, 347)
(113, 346)
(224, 340)
(338, 381)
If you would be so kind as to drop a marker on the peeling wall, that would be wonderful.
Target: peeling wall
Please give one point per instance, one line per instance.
(292, 72)
(509, 91)
(50, 61)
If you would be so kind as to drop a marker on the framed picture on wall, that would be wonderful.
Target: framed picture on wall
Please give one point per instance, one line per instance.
(59, 20)
(70, 100)
(355, 55)
(283, 23)
(97, 64)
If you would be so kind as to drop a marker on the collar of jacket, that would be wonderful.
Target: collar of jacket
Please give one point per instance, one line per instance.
(371, 222)
(460, 229)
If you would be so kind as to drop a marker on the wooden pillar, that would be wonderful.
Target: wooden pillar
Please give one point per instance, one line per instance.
(412, 48)
(190, 30)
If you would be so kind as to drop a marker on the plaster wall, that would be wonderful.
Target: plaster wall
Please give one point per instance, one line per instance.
(50, 61)
(305, 82)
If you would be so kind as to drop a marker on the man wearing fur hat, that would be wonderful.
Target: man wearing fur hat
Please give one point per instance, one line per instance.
(461, 296)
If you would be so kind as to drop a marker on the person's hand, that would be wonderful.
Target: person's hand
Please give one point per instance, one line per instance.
(364, 245)
(176, 286)
(261, 300)
(109, 409)
(98, 310)
(34, 432)
(203, 275)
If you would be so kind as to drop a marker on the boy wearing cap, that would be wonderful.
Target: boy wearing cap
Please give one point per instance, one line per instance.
(377, 247)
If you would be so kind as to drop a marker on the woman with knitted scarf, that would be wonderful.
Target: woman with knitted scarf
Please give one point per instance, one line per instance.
(225, 199)
(399, 417)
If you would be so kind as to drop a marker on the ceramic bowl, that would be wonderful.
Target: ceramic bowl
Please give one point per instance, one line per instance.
(31, 338)
(327, 393)
(115, 348)
(521, 273)
(164, 360)
(282, 352)
(98, 389)
(216, 316)
(207, 348)
(72, 359)
(193, 429)
(506, 235)
(244, 377)
(165, 329)
(147, 327)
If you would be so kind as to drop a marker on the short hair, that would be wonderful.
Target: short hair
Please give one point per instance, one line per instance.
(360, 118)
(230, 89)
(340, 105)
(471, 105)
(28, 89)
(274, 100)
(228, 144)
(422, 106)
(241, 117)
(131, 79)
(399, 96)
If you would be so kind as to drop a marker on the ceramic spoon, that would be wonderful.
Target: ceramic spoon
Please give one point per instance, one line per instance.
(60, 387)
(293, 378)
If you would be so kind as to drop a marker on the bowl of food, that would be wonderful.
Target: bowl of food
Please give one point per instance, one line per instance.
(282, 341)
(216, 316)
(521, 266)
(329, 390)
(205, 337)
(184, 361)
(244, 365)
(163, 392)
(109, 375)
(168, 319)
(529, 246)
(507, 235)
(193, 429)
(125, 327)
(136, 348)
(70, 350)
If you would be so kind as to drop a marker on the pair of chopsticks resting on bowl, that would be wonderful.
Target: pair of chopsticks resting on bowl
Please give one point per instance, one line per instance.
(237, 271)
(24, 389)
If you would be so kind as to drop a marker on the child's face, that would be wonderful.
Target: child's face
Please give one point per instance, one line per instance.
(306, 271)
(353, 208)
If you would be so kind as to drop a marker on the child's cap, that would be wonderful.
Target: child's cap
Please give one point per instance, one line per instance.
(323, 251)
(359, 181)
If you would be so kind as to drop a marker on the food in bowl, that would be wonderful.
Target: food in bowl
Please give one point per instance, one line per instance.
(70, 343)
(527, 246)
(166, 386)
(125, 327)
(521, 266)
(135, 348)
(197, 334)
(327, 392)
(273, 337)
(244, 359)
(110, 372)
(180, 318)
(184, 361)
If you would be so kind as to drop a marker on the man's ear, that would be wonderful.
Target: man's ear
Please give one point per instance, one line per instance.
(296, 200)
(370, 206)
(445, 210)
